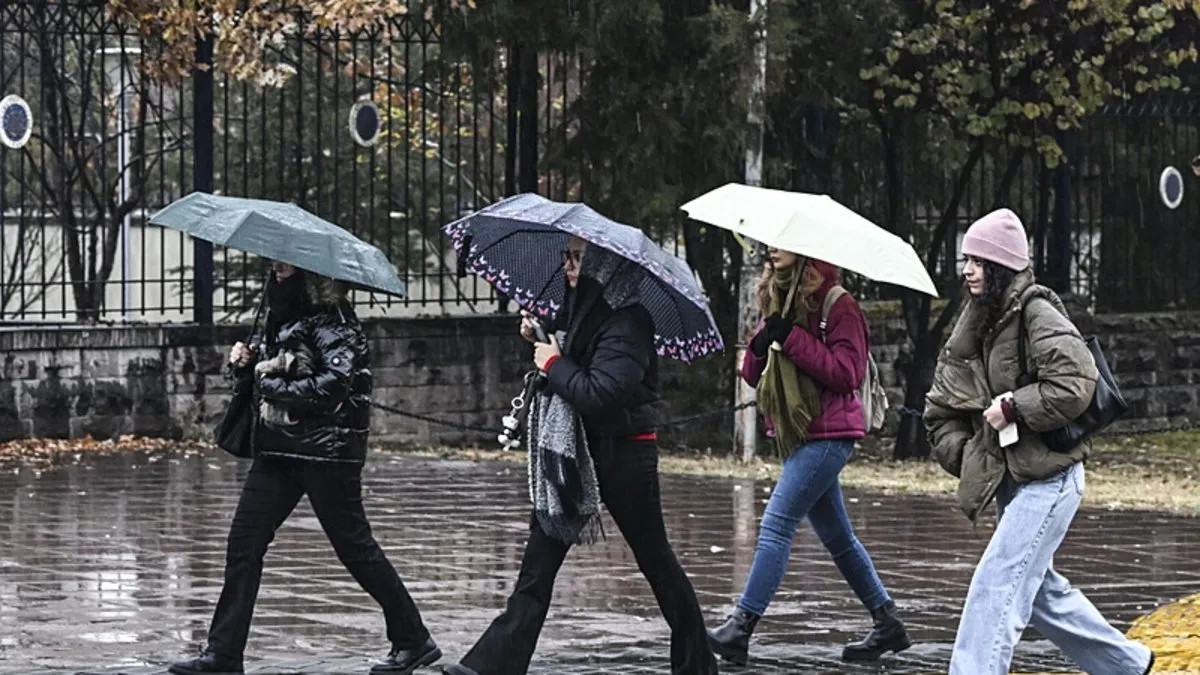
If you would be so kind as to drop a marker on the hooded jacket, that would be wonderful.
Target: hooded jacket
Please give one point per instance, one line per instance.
(837, 365)
(609, 368)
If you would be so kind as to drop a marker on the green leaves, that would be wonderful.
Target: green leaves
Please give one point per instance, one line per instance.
(1011, 68)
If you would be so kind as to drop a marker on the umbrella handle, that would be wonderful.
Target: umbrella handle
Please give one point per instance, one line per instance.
(258, 312)
(746, 246)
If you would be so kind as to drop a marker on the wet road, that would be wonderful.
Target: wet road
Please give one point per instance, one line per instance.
(114, 564)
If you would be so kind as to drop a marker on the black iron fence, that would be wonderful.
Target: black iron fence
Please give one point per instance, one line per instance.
(1098, 226)
(382, 136)
(391, 139)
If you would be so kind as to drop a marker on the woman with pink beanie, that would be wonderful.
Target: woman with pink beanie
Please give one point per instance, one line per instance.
(980, 396)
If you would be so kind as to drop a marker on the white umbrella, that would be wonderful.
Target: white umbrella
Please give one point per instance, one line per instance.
(815, 226)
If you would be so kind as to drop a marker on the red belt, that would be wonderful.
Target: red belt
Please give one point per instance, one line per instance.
(649, 436)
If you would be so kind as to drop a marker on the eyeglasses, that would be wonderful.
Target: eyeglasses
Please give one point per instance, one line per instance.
(569, 256)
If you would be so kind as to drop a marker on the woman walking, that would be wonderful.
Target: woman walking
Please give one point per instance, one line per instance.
(806, 367)
(314, 381)
(592, 440)
(976, 392)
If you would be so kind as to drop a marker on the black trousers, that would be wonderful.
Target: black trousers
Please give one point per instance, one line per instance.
(628, 476)
(273, 488)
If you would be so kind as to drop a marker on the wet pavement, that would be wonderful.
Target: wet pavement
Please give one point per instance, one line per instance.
(113, 566)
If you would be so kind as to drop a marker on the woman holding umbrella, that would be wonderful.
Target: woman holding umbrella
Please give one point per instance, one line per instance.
(806, 361)
(316, 448)
(592, 415)
(312, 383)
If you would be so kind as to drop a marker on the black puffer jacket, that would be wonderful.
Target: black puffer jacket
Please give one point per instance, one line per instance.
(332, 405)
(609, 368)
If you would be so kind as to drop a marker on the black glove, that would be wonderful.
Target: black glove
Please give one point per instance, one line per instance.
(760, 343)
(778, 328)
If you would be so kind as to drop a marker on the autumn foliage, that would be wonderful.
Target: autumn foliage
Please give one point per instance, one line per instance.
(247, 35)
(1020, 70)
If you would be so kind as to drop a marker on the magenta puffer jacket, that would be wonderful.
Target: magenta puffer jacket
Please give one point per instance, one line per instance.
(837, 365)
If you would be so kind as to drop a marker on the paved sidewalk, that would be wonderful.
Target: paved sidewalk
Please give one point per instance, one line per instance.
(113, 566)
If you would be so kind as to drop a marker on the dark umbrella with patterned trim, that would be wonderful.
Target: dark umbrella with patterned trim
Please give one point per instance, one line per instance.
(515, 245)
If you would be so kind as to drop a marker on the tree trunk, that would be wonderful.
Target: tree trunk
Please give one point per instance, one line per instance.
(911, 442)
(746, 420)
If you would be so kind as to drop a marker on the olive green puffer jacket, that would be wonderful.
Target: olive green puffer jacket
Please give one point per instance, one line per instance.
(969, 375)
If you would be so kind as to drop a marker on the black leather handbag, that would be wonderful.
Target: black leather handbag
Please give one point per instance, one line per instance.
(1107, 403)
(234, 432)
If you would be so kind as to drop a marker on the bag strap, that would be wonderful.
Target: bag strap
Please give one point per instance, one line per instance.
(833, 295)
(1022, 341)
(1021, 337)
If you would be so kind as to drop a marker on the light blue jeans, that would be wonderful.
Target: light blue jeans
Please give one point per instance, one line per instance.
(809, 488)
(1015, 585)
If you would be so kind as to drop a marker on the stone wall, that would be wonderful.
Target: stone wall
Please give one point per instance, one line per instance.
(1156, 360)
(168, 381)
(61, 382)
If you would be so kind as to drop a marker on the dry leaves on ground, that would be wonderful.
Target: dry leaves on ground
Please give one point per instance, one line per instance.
(44, 452)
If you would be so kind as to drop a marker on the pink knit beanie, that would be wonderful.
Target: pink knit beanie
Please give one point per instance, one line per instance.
(999, 237)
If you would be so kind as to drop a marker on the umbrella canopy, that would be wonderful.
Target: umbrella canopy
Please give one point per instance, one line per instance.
(815, 226)
(283, 232)
(515, 245)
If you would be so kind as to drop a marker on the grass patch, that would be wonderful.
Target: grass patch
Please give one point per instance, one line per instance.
(1155, 472)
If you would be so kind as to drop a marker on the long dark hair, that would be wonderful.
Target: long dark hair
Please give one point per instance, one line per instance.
(997, 279)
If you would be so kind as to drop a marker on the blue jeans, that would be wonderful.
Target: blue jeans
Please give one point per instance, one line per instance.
(809, 488)
(1015, 585)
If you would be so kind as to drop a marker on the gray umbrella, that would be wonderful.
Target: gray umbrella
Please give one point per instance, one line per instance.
(283, 232)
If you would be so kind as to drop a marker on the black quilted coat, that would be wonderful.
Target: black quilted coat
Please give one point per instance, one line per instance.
(333, 403)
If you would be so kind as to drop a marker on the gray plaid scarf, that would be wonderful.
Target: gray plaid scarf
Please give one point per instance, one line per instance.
(562, 478)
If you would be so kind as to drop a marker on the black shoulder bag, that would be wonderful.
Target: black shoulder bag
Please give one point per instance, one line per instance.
(234, 432)
(1107, 403)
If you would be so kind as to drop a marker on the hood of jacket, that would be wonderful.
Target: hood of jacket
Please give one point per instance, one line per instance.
(323, 291)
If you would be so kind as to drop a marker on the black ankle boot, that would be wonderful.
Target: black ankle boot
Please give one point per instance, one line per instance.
(731, 640)
(888, 635)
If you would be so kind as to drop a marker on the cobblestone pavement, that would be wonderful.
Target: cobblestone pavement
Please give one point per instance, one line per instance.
(113, 566)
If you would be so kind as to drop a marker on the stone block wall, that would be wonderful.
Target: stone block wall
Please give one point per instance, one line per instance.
(1156, 360)
(168, 381)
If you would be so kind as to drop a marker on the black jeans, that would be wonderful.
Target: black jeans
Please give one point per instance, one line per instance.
(628, 476)
(273, 488)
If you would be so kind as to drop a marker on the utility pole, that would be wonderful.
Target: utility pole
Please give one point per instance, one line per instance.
(121, 74)
(746, 419)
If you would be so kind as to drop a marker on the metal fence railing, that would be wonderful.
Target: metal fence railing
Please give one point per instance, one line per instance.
(110, 147)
